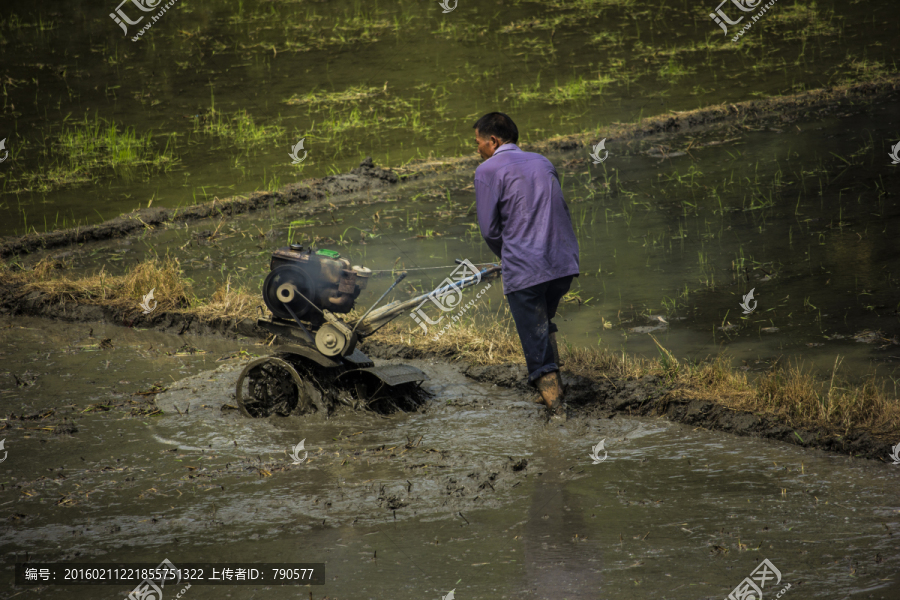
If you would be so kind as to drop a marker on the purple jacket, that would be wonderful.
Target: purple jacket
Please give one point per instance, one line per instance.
(524, 218)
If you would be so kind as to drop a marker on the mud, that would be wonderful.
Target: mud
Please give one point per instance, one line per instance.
(15, 302)
(444, 479)
(603, 398)
(813, 103)
(197, 424)
(319, 195)
(52, 420)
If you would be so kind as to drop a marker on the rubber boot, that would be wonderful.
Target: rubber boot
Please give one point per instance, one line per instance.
(550, 387)
(555, 349)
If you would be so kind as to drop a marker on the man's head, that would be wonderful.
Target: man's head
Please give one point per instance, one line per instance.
(492, 131)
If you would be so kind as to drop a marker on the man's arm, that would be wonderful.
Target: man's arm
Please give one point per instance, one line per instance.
(553, 171)
(556, 176)
(487, 205)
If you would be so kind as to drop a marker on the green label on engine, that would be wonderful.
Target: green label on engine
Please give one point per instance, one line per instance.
(329, 253)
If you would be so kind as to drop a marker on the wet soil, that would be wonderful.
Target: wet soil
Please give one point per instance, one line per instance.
(15, 302)
(602, 397)
(206, 401)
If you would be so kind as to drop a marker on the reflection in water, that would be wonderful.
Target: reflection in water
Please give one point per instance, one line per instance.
(555, 566)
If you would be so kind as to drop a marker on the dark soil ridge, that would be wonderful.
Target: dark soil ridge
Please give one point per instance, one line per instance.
(317, 192)
(816, 103)
(604, 398)
(14, 301)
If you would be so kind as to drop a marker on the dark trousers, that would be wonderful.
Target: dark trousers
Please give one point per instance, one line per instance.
(532, 309)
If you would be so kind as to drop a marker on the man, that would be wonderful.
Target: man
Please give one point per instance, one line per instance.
(525, 222)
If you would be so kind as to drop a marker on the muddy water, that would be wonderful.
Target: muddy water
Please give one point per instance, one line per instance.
(670, 513)
(558, 67)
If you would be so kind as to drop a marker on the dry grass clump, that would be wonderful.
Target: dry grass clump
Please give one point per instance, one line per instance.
(794, 393)
(589, 361)
(165, 277)
(229, 303)
(46, 269)
(717, 375)
(171, 290)
(483, 341)
(789, 392)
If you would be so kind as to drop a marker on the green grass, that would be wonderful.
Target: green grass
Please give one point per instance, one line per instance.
(807, 14)
(100, 142)
(588, 4)
(574, 89)
(351, 94)
(673, 70)
(547, 23)
(239, 128)
(89, 150)
(16, 23)
(456, 31)
(607, 38)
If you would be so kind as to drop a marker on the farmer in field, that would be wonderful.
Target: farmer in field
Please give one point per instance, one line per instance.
(525, 222)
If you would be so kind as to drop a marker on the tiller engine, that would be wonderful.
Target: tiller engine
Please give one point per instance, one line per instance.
(317, 365)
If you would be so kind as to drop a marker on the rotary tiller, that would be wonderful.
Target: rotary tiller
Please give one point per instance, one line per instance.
(317, 365)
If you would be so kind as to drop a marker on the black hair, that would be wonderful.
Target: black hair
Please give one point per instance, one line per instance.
(498, 124)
